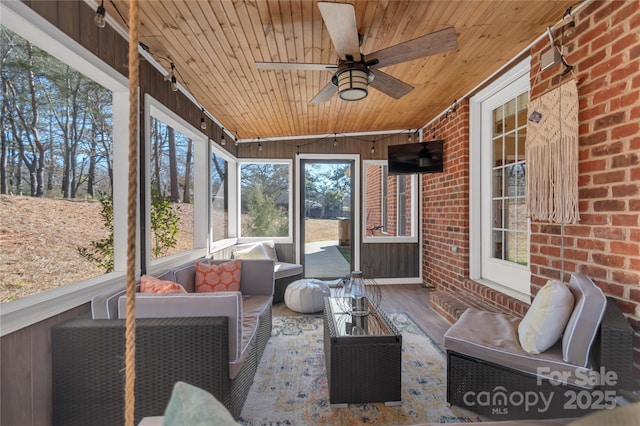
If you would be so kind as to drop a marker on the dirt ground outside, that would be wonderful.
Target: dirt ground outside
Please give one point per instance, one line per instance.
(39, 240)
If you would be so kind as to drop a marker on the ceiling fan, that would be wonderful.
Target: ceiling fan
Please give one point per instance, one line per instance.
(355, 71)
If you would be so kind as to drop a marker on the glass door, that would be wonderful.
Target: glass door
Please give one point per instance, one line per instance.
(326, 228)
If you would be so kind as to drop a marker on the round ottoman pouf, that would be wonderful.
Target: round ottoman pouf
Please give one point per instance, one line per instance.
(306, 296)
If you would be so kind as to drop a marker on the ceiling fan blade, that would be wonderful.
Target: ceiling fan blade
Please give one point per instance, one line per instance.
(295, 66)
(389, 85)
(426, 45)
(325, 94)
(340, 20)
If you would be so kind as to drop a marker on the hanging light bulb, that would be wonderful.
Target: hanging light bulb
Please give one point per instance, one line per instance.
(203, 123)
(99, 19)
(222, 141)
(409, 138)
(373, 147)
(174, 81)
(259, 146)
(235, 140)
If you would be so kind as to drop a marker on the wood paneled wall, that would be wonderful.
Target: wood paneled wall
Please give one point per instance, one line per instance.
(25, 372)
(380, 260)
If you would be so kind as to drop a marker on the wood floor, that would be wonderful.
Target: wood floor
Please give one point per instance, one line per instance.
(410, 298)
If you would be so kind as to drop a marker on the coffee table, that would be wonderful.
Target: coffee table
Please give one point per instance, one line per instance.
(363, 354)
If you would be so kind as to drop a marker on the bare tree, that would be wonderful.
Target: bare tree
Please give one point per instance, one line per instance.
(173, 166)
(186, 198)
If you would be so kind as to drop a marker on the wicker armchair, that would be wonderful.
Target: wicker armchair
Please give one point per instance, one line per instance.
(612, 352)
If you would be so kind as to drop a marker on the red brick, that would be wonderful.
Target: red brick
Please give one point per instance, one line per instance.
(624, 248)
(607, 38)
(603, 150)
(590, 244)
(609, 120)
(593, 138)
(550, 251)
(609, 233)
(625, 72)
(624, 43)
(577, 230)
(591, 33)
(593, 219)
(609, 177)
(612, 289)
(625, 160)
(589, 61)
(588, 114)
(579, 255)
(610, 206)
(625, 190)
(607, 67)
(624, 131)
(625, 220)
(624, 13)
(593, 271)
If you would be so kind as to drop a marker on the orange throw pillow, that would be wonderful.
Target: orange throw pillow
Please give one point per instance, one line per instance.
(222, 277)
(149, 284)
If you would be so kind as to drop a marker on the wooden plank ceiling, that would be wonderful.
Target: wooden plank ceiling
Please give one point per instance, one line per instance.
(214, 45)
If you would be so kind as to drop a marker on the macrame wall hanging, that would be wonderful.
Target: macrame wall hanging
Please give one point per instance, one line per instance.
(552, 155)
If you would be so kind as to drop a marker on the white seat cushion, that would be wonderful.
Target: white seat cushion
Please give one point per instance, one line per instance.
(306, 296)
(283, 269)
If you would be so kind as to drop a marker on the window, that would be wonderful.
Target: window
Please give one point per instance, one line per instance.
(57, 171)
(74, 289)
(265, 200)
(390, 204)
(510, 230)
(498, 131)
(222, 210)
(177, 173)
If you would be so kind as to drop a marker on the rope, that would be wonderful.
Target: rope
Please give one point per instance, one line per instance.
(130, 325)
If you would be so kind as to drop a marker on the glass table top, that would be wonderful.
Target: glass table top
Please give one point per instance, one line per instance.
(350, 320)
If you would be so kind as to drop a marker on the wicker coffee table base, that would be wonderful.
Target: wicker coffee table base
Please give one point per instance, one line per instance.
(363, 368)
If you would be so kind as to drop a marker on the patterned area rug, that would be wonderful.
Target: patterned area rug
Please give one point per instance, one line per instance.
(290, 387)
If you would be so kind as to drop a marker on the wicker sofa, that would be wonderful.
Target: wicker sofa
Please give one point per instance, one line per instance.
(213, 341)
(489, 373)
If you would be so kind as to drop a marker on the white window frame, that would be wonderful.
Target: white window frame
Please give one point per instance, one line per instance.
(291, 211)
(201, 183)
(232, 202)
(506, 277)
(29, 310)
(415, 184)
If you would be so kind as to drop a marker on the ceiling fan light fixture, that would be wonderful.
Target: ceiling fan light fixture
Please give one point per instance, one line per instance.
(353, 82)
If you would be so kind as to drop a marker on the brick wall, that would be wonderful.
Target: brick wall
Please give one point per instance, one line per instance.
(605, 52)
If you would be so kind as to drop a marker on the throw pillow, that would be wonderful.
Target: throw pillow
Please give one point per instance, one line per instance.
(584, 321)
(220, 277)
(193, 406)
(270, 249)
(149, 284)
(254, 251)
(546, 318)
